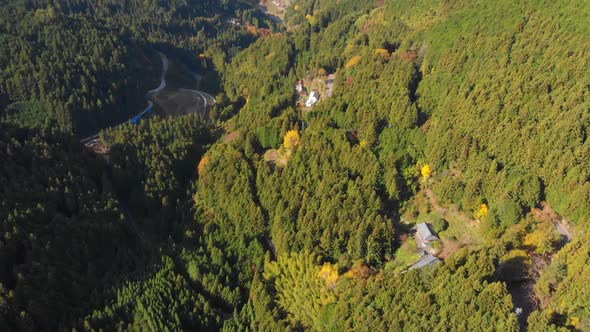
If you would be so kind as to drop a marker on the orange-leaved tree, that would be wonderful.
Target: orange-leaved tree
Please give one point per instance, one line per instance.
(202, 164)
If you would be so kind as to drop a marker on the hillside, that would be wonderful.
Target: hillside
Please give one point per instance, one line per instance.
(346, 148)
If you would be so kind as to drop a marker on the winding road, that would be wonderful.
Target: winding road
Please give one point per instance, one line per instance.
(165, 66)
(207, 98)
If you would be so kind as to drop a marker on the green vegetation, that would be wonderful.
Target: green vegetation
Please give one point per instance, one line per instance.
(468, 115)
(561, 288)
(90, 63)
(317, 297)
(63, 235)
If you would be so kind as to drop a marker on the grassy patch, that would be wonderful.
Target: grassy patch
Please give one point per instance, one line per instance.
(405, 256)
(461, 230)
(30, 114)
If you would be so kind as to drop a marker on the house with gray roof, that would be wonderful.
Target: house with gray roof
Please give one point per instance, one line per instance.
(427, 260)
(425, 236)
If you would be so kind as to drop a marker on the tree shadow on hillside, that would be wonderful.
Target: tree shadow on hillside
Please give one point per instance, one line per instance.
(515, 272)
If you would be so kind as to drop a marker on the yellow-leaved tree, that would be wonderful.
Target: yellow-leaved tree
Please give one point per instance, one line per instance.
(303, 289)
(202, 164)
(483, 211)
(291, 139)
(313, 21)
(383, 53)
(329, 273)
(426, 172)
(353, 62)
(543, 238)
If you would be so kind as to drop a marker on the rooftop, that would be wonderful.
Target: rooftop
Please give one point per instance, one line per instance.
(425, 233)
(424, 262)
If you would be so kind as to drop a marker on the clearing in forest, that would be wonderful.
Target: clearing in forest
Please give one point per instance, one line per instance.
(460, 229)
(179, 96)
(232, 136)
(179, 102)
(278, 157)
(544, 213)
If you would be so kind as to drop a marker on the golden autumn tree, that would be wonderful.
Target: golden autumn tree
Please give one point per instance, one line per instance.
(426, 172)
(313, 21)
(202, 164)
(543, 239)
(329, 274)
(291, 139)
(576, 322)
(483, 211)
(383, 53)
(353, 62)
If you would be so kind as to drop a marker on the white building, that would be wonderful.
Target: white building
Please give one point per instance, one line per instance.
(313, 98)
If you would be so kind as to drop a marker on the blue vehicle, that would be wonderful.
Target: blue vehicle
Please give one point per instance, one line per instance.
(137, 118)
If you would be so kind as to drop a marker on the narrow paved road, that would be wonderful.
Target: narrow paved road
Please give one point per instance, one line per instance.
(207, 99)
(165, 64)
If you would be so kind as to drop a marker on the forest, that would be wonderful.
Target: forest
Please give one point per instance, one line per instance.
(269, 214)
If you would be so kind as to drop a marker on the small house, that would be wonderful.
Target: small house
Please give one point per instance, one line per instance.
(312, 100)
(299, 87)
(425, 261)
(425, 238)
(233, 21)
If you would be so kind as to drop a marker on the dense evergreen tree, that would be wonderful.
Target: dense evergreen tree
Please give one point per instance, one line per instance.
(267, 215)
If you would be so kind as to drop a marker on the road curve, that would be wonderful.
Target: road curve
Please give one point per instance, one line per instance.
(150, 104)
(165, 65)
(207, 98)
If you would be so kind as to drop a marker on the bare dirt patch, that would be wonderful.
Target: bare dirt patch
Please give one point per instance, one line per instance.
(450, 247)
(277, 157)
(231, 136)
(544, 213)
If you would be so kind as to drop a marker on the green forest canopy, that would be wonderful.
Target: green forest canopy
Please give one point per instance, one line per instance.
(219, 225)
